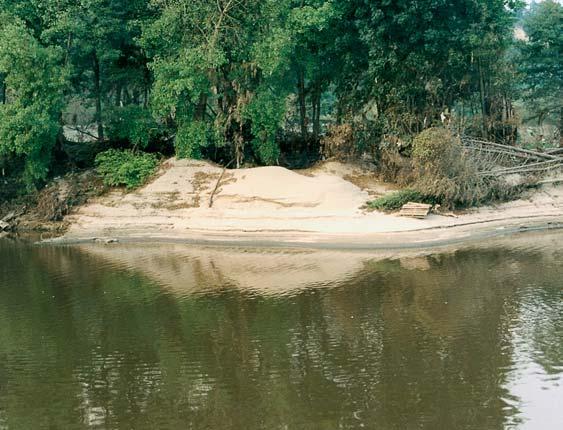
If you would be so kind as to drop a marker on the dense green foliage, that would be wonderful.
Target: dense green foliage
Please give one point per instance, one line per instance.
(257, 81)
(29, 119)
(132, 124)
(125, 167)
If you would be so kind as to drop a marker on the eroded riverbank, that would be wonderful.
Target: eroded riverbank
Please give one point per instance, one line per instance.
(194, 202)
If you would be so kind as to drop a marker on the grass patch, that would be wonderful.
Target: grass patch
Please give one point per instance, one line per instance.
(396, 200)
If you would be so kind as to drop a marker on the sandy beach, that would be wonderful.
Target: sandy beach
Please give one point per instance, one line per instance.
(273, 206)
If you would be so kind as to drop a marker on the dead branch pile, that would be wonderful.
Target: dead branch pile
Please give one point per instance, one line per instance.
(496, 160)
(56, 200)
(338, 143)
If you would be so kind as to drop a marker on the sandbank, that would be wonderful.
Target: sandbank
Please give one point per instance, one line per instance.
(272, 206)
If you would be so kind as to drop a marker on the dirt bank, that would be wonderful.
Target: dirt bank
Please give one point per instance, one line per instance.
(272, 205)
(44, 210)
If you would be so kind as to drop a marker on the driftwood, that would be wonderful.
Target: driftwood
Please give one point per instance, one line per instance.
(218, 182)
(9, 221)
(551, 181)
(5, 224)
(415, 210)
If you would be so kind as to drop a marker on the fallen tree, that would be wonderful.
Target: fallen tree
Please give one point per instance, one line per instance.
(496, 160)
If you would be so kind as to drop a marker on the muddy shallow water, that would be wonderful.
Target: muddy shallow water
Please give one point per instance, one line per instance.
(174, 336)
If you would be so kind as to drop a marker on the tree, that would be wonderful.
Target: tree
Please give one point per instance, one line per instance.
(493, 74)
(217, 67)
(222, 77)
(422, 57)
(30, 113)
(311, 26)
(99, 39)
(542, 59)
(2, 89)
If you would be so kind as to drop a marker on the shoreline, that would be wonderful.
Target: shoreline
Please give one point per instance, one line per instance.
(423, 238)
(323, 207)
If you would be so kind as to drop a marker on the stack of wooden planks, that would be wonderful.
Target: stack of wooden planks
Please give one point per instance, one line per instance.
(415, 210)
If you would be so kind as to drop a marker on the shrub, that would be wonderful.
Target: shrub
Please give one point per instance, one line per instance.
(435, 147)
(395, 200)
(125, 167)
(442, 170)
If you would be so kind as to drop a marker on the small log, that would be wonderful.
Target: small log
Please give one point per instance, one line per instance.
(4, 226)
(218, 182)
(415, 210)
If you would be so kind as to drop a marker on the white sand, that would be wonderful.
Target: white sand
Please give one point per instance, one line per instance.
(320, 205)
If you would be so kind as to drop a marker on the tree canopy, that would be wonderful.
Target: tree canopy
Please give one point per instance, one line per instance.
(542, 58)
(236, 80)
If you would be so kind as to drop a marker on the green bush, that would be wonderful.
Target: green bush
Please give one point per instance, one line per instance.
(435, 148)
(125, 167)
(442, 170)
(396, 200)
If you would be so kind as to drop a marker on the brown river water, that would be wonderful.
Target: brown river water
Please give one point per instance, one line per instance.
(171, 336)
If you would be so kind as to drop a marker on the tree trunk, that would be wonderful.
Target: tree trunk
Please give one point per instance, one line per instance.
(483, 98)
(59, 149)
(136, 96)
(98, 95)
(201, 107)
(338, 112)
(316, 104)
(238, 139)
(561, 127)
(146, 86)
(302, 104)
(118, 92)
(2, 90)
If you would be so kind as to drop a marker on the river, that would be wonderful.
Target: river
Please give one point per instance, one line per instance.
(171, 336)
